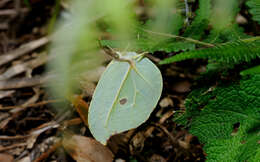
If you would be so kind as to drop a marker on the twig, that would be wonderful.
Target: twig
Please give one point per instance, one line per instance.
(35, 132)
(20, 68)
(44, 127)
(173, 140)
(24, 82)
(3, 2)
(161, 121)
(4, 94)
(28, 47)
(30, 105)
(12, 146)
(31, 100)
(17, 6)
(251, 39)
(154, 59)
(12, 12)
(4, 26)
(179, 37)
(17, 137)
(46, 154)
(75, 121)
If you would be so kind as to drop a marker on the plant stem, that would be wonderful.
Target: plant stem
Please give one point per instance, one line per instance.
(180, 37)
(251, 39)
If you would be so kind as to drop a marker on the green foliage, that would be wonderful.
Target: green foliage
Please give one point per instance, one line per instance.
(226, 118)
(213, 115)
(228, 53)
(254, 6)
(230, 33)
(200, 23)
(151, 44)
(125, 96)
(164, 22)
(163, 14)
(251, 71)
(171, 46)
(222, 20)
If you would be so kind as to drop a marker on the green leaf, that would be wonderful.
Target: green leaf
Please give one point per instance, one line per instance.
(124, 97)
(254, 6)
(251, 71)
(229, 53)
(201, 21)
(226, 119)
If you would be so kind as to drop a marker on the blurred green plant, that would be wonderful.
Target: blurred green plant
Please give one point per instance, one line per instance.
(75, 45)
(254, 9)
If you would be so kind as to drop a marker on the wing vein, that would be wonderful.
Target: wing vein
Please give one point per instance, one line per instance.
(116, 97)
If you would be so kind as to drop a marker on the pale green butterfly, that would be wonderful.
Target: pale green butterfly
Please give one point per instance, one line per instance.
(125, 96)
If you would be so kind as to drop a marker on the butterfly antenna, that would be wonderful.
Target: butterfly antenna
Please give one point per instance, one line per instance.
(108, 50)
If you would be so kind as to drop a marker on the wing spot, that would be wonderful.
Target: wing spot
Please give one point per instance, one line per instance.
(123, 101)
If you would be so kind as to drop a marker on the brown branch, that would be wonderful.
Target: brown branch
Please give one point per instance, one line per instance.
(12, 146)
(20, 68)
(24, 82)
(30, 105)
(28, 47)
(11, 12)
(46, 154)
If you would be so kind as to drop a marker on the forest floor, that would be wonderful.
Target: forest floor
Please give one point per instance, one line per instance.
(32, 130)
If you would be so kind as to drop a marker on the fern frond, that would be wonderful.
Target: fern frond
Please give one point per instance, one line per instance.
(224, 26)
(254, 6)
(232, 33)
(251, 71)
(230, 53)
(174, 46)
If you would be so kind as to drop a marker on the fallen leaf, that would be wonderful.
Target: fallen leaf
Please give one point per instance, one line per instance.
(25, 159)
(182, 87)
(6, 158)
(157, 158)
(165, 102)
(85, 149)
(120, 160)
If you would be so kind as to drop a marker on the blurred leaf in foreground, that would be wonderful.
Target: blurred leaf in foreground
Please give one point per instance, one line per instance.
(75, 42)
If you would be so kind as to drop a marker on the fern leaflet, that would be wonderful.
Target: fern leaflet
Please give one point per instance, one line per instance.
(254, 6)
(251, 71)
(229, 53)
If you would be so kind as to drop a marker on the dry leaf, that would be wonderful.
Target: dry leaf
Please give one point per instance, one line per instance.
(85, 149)
(157, 158)
(25, 159)
(6, 158)
(165, 102)
(182, 87)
